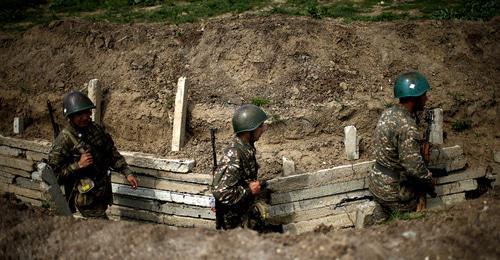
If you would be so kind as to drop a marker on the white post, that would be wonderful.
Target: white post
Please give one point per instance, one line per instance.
(351, 143)
(288, 167)
(18, 125)
(179, 127)
(436, 135)
(95, 96)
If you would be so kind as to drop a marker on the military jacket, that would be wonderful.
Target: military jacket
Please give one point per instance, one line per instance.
(65, 153)
(236, 169)
(399, 164)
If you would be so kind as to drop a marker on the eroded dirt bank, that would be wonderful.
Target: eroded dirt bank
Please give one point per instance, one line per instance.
(319, 75)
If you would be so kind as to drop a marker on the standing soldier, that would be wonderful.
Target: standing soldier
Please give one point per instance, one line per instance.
(399, 171)
(235, 185)
(82, 156)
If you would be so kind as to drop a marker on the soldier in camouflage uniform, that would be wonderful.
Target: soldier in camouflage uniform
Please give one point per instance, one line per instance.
(82, 156)
(235, 186)
(400, 171)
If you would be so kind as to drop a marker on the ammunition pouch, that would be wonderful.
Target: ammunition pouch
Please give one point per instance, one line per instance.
(88, 191)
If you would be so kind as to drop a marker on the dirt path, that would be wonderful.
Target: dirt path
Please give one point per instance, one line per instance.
(465, 231)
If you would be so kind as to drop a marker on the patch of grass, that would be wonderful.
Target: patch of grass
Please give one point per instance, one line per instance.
(481, 10)
(405, 216)
(461, 125)
(260, 101)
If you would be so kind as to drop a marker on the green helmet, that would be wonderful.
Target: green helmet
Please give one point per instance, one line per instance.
(248, 118)
(410, 84)
(76, 101)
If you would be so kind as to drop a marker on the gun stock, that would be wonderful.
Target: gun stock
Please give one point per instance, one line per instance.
(55, 126)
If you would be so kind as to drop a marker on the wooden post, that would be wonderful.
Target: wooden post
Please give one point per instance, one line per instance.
(179, 127)
(18, 125)
(288, 167)
(95, 95)
(436, 135)
(351, 143)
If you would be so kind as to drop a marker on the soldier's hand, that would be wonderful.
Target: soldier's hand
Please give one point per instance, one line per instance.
(85, 160)
(133, 181)
(254, 187)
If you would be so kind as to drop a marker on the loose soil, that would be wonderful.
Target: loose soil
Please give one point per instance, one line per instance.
(469, 230)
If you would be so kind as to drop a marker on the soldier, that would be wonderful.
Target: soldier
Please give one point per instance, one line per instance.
(235, 186)
(82, 156)
(399, 171)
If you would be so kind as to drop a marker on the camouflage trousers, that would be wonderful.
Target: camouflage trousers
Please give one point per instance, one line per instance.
(254, 219)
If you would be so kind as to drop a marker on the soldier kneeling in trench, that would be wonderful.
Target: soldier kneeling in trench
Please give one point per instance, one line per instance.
(399, 173)
(236, 189)
(82, 157)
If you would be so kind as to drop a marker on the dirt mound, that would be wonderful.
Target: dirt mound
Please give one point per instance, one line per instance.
(319, 76)
(465, 231)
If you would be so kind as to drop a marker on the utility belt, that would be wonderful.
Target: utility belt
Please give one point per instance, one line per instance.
(387, 171)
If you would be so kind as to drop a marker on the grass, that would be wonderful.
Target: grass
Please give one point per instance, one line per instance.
(260, 101)
(22, 14)
(405, 216)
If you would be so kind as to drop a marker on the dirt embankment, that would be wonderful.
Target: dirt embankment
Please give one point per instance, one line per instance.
(318, 74)
(466, 231)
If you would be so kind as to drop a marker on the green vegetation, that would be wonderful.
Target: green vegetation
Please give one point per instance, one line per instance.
(461, 125)
(22, 14)
(260, 101)
(405, 216)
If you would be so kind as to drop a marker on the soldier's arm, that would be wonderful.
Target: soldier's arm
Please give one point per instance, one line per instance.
(61, 159)
(228, 188)
(409, 154)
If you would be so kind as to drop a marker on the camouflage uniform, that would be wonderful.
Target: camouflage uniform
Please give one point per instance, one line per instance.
(64, 157)
(399, 166)
(236, 169)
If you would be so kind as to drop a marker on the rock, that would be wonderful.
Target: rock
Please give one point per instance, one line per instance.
(496, 156)
(409, 234)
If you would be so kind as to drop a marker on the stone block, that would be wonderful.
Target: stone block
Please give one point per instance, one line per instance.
(36, 156)
(496, 156)
(456, 187)
(191, 177)
(15, 171)
(160, 184)
(441, 201)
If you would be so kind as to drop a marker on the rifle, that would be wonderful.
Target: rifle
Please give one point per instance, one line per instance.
(425, 150)
(55, 126)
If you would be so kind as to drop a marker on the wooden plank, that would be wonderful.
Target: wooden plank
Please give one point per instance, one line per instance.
(152, 162)
(315, 192)
(17, 163)
(159, 184)
(316, 213)
(456, 187)
(442, 201)
(342, 220)
(27, 183)
(162, 195)
(283, 210)
(166, 207)
(323, 177)
(36, 156)
(462, 175)
(190, 177)
(160, 218)
(34, 194)
(41, 146)
(34, 202)
(9, 151)
(14, 171)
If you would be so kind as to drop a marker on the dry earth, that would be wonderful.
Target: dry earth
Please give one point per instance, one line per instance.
(320, 75)
(469, 230)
